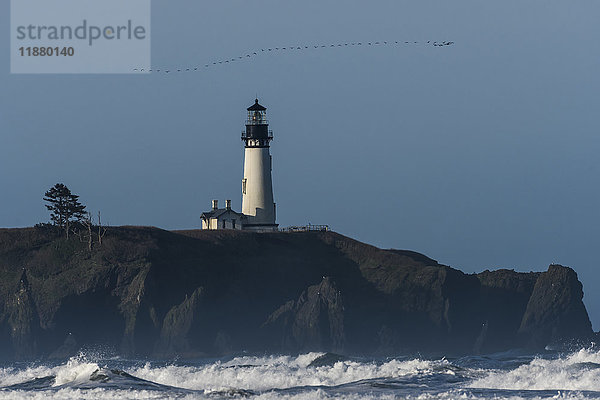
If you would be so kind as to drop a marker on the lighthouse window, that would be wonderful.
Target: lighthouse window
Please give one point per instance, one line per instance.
(243, 186)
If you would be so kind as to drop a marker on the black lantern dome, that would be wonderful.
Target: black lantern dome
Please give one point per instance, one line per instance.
(257, 132)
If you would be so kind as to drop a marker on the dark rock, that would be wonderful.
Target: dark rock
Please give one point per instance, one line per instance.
(176, 327)
(504, 295)
(555, 311)
(150, 292)
(314, 322)
(99, 376)
(23, 320)
(68, 349)
(327, 359)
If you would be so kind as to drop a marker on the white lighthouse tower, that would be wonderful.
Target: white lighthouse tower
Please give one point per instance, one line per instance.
(257, 186)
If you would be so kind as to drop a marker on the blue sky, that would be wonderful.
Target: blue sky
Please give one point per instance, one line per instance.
(481, 155)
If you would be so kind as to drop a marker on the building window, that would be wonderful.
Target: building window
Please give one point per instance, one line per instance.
(244, 186)
(233, 223)
(223, 224)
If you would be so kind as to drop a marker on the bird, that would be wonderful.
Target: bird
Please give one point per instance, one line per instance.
(249, 55)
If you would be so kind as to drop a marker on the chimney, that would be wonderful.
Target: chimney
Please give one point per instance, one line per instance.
(215, 204)
(228, 204)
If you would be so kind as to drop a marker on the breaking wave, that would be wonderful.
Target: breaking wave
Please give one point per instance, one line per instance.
(579, 371)
(282, 372)
(310, 376)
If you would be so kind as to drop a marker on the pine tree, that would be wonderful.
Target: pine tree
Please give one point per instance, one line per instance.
(64, 207)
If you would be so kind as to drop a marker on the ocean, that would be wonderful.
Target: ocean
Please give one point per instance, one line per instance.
(508, 375)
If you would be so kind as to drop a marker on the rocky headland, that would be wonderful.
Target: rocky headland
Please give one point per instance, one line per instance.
(147, 292)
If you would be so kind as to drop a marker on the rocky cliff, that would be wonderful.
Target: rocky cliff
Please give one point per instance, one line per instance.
(150, 292)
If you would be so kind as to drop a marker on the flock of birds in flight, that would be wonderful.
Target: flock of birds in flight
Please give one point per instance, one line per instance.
(279, 49)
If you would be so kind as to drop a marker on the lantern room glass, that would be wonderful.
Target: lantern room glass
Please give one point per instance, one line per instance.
(257, 117)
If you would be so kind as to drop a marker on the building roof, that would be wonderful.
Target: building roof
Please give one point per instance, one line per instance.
(219, 212)
(256, 107)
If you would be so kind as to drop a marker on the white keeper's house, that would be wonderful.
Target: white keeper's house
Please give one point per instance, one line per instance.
(258, 208)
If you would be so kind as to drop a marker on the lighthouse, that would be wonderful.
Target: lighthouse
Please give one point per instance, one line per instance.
(257, 185)
(258, 207)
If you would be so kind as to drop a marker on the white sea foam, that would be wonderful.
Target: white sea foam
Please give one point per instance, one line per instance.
(570, 378)
(449, 395)
(255, 373)
(317, 394)
(465, 395)
(11, 376)
(102, 394)
(577, 371)
(89, 394)
(77, 370)
(301, 361)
